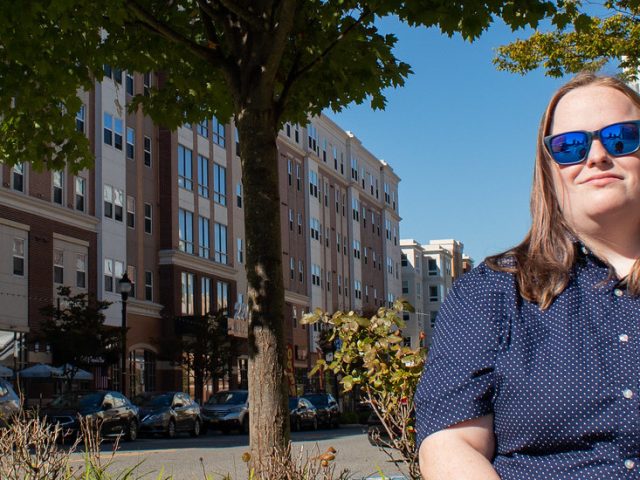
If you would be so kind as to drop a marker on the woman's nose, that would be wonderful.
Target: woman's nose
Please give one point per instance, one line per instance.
(597, 153)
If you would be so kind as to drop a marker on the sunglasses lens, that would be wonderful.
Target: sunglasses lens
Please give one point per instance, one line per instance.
(569, 148)
(621, 138)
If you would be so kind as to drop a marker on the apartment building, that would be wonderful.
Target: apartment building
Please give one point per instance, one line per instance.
(427, 278)
(166, 207)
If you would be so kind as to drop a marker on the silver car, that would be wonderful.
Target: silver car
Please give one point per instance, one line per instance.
(9, 402)
(227, 410)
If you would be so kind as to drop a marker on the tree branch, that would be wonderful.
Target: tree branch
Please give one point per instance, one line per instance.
(295, 74)
(210, 54)
(244, 14)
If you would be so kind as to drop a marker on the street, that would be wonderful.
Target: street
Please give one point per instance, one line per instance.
(215, 454)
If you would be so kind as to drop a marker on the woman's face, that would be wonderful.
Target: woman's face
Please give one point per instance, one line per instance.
(602, 188)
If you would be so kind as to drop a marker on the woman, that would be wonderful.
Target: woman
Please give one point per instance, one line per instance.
(534, 371)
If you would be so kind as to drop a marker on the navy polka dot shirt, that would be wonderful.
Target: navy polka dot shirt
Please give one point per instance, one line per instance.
(563, 384)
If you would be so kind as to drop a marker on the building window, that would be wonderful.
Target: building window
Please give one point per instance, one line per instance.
(298, 176)
(205, 295)
(222, 296)
(131, 141)
(203, 128)
(292, 267)
(433, 267)
(405, 287)
(147, 151)
(236, 135)
(80, 115)
(355, 205)
(219, 184)
(58, 266)
(18, 256)
(203, 176)
(239, 195)
(434, 294)
(81, 185)
(146, 83)
(313, 183)
(108, 275)
(131, 273)
(131, 212)
(403, 260)
(240, 251)
(432, 318)
(187, 293)
(118, 272)
(356, 249)
(58, 182)
(185, 230)
(108, 200)
(218, 132)
(203, 237)
(118, 201)
(17, 177)
(220, 243)
(301, 271)
(112, 131)
(107, 120)
(289, 170)
(299, 223)
(315, 228)
(315, 274)
(147, 218)
(354, 168)
(185, 173)
(129, 83)
(389, 265)
(81, 271)
(148, 286)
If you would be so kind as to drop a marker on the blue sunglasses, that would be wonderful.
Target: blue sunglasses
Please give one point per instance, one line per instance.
(617, 139)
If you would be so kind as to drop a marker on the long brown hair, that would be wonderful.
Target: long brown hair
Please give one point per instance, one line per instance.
(542, 262)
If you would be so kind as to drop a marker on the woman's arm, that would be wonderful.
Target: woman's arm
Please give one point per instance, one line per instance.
(461, 452)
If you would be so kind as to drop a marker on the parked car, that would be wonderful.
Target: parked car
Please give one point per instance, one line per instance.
(9, 403)
(227, 410)
(326, 407)
(168, 413)
(115, 412)
(302, 414)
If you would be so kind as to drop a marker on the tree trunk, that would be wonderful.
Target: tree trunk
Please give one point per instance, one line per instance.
(268, 405)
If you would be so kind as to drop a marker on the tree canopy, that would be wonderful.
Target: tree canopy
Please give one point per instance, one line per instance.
(583, 36)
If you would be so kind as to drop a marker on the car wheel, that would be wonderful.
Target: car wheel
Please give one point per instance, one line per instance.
(132, 431)
(196, 428)
(171, 429)
(244, 427)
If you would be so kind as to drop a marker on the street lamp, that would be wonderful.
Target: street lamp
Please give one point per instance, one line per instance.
(125, 289)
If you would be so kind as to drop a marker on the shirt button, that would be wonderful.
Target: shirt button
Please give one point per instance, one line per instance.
(629, 464)
(624, 338)
(626, 393)
(618, 293)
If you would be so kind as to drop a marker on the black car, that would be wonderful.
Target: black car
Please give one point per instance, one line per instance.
(115, 413)
(168, 413)
(302, 414)
(326, 407)
(9, 403)
(227, 410)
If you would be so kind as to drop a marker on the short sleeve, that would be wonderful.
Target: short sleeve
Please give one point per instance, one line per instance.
(457, 383)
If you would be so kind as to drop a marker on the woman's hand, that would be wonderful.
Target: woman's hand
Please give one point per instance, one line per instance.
(462, 452)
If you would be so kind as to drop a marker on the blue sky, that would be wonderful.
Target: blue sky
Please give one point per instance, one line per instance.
(461, 136)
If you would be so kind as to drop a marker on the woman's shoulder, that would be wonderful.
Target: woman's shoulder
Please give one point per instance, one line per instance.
(486, 277)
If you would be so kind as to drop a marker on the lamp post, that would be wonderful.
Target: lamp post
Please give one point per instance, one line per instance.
(125, 289)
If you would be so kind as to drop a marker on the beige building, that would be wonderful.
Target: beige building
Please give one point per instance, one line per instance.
(427, 277)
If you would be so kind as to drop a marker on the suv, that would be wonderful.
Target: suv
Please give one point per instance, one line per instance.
(9, 403)
(116, 414)
(327, 408)
(227, 410)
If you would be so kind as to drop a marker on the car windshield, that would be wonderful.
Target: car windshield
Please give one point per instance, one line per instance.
(154, 401)
(78, 400)
(318, 400)
(228, 398)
